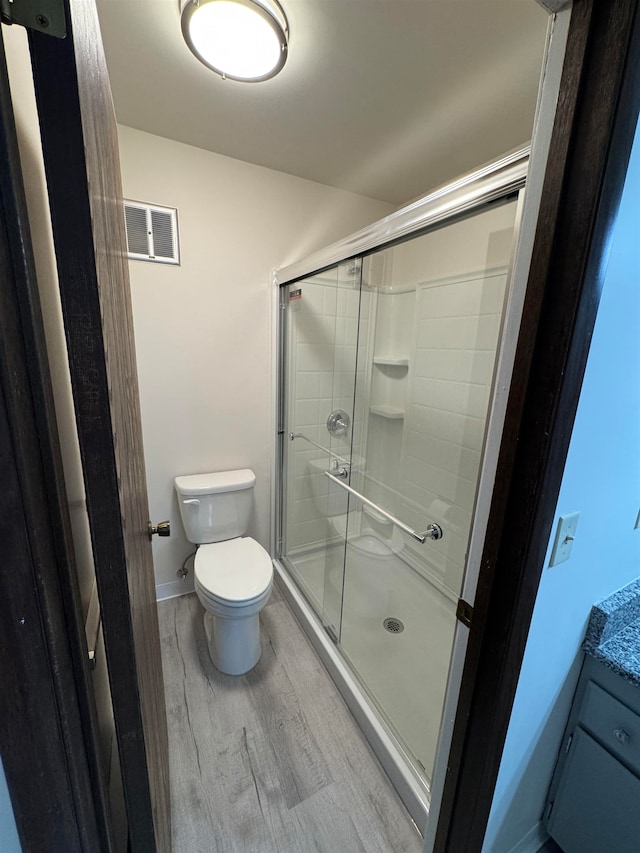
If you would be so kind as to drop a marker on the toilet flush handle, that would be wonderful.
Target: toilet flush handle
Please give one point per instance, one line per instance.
(191, 501)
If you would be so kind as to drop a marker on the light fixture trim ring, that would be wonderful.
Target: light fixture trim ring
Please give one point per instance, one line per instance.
(270, 10)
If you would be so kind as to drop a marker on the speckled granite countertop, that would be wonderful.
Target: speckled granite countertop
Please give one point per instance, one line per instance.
(613, 632)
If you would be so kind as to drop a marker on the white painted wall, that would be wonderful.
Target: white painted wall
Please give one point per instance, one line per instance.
(203, 329)
(474, 243)
(602, 481)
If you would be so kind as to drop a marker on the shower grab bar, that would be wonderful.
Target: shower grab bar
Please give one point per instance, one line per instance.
(326, 450)
(433, 531)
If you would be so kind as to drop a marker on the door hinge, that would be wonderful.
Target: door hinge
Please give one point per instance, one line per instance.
(464, 612)
(43, 16)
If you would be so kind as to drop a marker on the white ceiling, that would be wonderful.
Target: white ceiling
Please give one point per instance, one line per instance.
(387, 98)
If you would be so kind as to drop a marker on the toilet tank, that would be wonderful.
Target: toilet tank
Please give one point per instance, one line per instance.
(215, 506)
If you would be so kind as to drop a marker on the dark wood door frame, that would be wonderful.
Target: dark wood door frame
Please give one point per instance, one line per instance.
(48, 731)
(71, 221)
(81, 157)
(592, 138)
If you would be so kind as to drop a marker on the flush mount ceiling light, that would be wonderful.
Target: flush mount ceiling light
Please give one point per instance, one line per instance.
(239, 39)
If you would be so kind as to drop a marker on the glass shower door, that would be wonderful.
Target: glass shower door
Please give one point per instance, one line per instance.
(426, 375)
(321, 343)
(389, 370)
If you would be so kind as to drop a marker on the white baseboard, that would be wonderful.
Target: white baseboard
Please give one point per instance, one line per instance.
(174, 589)
(532, 841)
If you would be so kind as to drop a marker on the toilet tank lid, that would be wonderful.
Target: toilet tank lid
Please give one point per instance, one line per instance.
(217, 481)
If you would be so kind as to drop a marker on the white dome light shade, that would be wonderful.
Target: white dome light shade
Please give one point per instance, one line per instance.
(240, 39)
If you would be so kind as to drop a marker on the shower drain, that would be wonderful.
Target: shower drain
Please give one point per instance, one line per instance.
(394, 626)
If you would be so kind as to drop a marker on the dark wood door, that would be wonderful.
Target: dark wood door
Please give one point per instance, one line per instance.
(80, 148)
(49, 729)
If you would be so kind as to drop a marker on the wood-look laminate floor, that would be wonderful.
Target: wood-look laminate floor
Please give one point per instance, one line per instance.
(269, 762)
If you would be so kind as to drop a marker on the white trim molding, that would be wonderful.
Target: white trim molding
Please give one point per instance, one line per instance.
(173, 589)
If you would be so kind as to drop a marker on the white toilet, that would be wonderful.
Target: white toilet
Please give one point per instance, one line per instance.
(233, 574)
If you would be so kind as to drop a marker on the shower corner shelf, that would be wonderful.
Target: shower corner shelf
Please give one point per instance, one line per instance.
(390, 361)
(390, 412)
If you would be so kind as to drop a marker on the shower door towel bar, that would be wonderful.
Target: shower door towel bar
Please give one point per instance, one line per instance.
(433, 531)
(326, 450)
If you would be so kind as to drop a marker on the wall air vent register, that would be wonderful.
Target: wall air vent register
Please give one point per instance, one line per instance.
(152, 232)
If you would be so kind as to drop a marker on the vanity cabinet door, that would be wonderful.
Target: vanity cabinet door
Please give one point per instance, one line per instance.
(596, 808)
(615, 725)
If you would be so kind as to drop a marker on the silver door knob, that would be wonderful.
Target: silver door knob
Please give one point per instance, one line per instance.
(622, 736)
(163, 528)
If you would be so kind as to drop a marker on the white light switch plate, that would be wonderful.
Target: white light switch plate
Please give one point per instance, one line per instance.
(565, 535)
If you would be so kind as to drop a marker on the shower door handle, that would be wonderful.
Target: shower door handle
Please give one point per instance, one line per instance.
(433, 531)
(342, 472)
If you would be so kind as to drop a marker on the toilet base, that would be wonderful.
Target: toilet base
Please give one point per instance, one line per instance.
(234, 644)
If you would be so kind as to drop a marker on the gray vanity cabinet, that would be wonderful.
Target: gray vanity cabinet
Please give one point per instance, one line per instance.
(594, 799)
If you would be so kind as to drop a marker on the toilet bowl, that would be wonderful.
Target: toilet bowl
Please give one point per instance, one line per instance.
(233, 573)
(233, 580)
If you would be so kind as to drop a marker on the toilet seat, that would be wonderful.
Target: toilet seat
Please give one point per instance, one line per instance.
(235, 572)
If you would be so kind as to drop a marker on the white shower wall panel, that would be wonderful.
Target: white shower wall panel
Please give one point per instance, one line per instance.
(446, 419)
